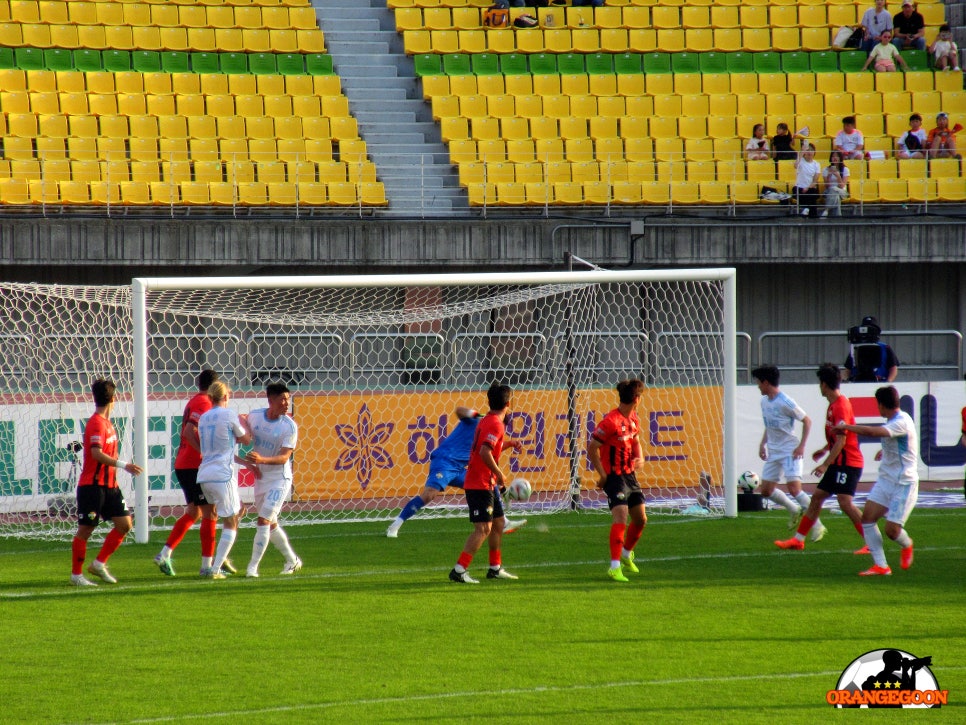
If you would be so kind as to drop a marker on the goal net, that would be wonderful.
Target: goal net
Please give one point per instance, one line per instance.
(377, 367)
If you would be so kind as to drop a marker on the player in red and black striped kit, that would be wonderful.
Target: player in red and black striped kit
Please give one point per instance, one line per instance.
(842, 467)
(615, 453)
(98, 496)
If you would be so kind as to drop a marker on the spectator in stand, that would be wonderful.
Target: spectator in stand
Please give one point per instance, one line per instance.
(835, 178)
(941, 141)
(875, 22)
(757, 147)
(807, 174)
(912, 144)
(944, 50)
(849, 141)
(909, 27)
(783, 144)
(885, 56)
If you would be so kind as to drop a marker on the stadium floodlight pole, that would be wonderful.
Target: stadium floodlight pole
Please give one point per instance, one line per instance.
(140, 330)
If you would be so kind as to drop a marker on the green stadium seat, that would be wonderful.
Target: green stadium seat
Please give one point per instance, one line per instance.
(851, 61)
(514, 64)
(685, 63)
(570, 64)
(768, 62)
(319, 64)
(741, 62)
(56, 59)
(823, 61)
(713, 62)
(486, 64)
(427, 64)
(175, 62)
(543, 64)
(457, 64)
(627, 64)
(599, 64)
(262, 64)
(146, 61)
(116, 61)
(291, 64)
(795, 62)
(87, 60)
(656, 62)
(204, 62)
(7, 60)
(228, 63)
(29, 58)
(917, 59)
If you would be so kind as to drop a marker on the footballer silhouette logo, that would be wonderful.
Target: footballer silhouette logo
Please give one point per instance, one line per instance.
(888, 678)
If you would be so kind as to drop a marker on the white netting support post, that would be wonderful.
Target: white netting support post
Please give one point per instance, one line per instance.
(730, 382)
(142, 522)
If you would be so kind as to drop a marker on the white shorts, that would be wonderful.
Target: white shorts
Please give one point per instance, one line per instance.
(789, 465)
(223, 495)
(899, 498)
(268, 502)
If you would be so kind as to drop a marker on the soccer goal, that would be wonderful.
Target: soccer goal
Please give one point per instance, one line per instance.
(377, 366)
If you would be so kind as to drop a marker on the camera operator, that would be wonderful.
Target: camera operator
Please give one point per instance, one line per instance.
(869, 361)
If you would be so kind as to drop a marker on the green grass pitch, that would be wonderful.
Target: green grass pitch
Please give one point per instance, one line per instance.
(719, 627)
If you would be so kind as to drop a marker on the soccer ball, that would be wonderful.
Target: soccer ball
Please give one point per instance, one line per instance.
(519, 489)
(748, 481)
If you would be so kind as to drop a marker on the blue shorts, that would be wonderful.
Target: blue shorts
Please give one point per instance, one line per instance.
(445, 473)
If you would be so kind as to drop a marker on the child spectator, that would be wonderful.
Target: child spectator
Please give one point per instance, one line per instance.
(849, 141)
(941, 141)
(835, 178)
(757, 147)
(885, 55)
(783, 143)
(912, 144)
(944, 50)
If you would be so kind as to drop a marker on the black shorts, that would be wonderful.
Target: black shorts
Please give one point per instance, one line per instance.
(188, 480)
(99, 503)
(484, 505)
(841, 480)
(622, 489)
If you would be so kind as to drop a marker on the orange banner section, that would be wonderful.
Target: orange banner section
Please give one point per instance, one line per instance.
(378, 444)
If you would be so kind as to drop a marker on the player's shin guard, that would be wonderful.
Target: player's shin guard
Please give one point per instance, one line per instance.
(280, 541)
(208, 527)
(111, 542)
(78, 552)
(634, 531)
(617, 532)
(873, 539)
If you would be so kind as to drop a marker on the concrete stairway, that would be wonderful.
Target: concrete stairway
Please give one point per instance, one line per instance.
(385, 98)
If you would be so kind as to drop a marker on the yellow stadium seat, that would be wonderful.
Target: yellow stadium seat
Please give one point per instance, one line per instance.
(944, 168)
(745, 192)
(665, 17)
(843, 14)
(642, 40)
(867, 103)
(656, 192)
(583, 40)
(725, 16)
(889, 82)
(579, 150)
(668, 149)
(923, 190)
(640, 171)
(933, 13)
(783, 16)
(760, 171)
(671, 40)
(893, 190)
(830, 82)
(721, 126)
(927, 103)
(954, 102)
(813, 39)
(627, 192)
(614, 40)
(639, 149)
(772, 83)
(859, 82)
(943, 82)
(743, 83)
(951, 188)
(780, 105)
(801, 82)
(636, 16)
(839, 104)
(882, 169)
(809, 103)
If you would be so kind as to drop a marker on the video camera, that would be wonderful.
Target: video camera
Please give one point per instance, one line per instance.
(864, 334)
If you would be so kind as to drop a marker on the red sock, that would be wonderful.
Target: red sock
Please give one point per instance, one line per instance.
(78, 552)
(495, 558)
(858, 527)
(208, 527)
(616, 540)
(634, 531)
(111, 542)
(181, 527)
(805, 525)
(465, 560)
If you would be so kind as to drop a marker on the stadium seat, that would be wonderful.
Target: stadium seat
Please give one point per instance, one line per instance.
(951, 188)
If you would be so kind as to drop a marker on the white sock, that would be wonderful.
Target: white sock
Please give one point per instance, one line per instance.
(625, 553)
(873, 539)
(206, 562)
(803, 499)
(225, 542)
(615, 563)
(280, 540)
(780, 497)
(166, 552)
(459, 569)
(396, 524)
(258, 546)
(903, 539)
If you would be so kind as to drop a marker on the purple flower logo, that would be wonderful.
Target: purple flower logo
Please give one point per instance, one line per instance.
(364, 450)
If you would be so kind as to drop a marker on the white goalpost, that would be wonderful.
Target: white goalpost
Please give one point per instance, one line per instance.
(377, 366)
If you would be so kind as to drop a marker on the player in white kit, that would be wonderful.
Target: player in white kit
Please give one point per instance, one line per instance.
(220, 430)
(274, 436)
